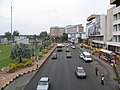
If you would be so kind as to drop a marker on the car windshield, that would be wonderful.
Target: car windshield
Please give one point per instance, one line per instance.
(43, 83)
(88, 56)
(81, 71)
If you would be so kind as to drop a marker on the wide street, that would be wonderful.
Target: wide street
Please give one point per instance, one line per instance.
(61, 71)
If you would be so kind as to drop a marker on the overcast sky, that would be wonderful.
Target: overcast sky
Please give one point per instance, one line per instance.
(34, 16)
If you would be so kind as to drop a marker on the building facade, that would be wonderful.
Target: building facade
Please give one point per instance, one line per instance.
(96, 30)
(113, 42)
(57, 31)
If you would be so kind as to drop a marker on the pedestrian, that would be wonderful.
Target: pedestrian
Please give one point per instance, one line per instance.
(96, 71)
(37, 64)
(102, 79)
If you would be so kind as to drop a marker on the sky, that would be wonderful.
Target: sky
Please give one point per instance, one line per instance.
(31, 17)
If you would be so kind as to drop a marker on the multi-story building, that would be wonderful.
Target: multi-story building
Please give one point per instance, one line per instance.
(113, 38)
(57, 31)
(96, 30)
(74, 32)
(74, 28)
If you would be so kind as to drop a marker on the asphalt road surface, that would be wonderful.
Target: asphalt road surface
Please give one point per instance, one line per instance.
(61, 71)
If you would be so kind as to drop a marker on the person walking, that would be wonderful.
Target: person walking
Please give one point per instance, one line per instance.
(37, 64)
(102, 79)
(96, 71)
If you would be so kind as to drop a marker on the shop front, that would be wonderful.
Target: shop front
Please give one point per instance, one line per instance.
(107, 55)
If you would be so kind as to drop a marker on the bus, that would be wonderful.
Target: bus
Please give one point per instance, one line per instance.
(59, 47)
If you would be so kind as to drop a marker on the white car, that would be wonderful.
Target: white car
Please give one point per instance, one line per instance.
(80, 72)
(43, 84)
(73, 47)
(87, 57)
(81, 56)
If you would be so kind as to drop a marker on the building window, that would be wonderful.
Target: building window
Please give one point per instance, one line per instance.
(115, 27)
(119, 15)
(119, 38)
(118, 27)
(115, 17)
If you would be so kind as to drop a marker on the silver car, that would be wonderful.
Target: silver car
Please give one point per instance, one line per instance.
(80, 72)
(43, 84)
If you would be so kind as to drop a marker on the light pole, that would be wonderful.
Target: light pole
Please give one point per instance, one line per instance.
(11, 21)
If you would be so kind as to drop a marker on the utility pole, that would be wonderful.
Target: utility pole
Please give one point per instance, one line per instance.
(11, 21)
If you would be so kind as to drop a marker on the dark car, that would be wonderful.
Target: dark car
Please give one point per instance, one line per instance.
(80, 72)
(67, 50)
(54, 56)
(68, 55)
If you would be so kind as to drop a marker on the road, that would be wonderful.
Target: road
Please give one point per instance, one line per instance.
(62, 74)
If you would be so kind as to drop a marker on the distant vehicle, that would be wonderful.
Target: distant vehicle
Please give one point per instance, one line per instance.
(63, 45)
(44, 84)
(81, 56)
(69, 55)
(87, 57)
(54, 56)
(67, 45)
(80, 72)
(67, 50)
(59, 47)
(73, 47)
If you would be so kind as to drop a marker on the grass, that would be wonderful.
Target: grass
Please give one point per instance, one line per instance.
(4, 55)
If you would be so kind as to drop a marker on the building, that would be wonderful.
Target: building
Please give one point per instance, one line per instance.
(57, 31)
(113, 38)
(96, 30)
(21, 39)
(3, 41)
(74, 28)
(74, 32)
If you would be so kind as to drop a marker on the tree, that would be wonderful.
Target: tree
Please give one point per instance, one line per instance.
(7, 35)
(20, 51)
(16, 33)
(43, 35)
(64, 37)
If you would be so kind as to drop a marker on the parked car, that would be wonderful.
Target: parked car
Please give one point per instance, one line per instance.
(68, 55)
(80, 72)
(87, 57)
(67, 50)
(43, 84)
(54, 56)
(81, 56)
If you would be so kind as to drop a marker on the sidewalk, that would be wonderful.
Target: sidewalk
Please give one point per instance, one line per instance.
(6, 78)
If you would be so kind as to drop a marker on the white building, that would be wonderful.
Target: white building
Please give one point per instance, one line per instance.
(21, 39)
(113, 38)
(4, 41)
(96, 30)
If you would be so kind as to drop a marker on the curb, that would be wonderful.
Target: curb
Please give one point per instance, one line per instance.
(21, 74)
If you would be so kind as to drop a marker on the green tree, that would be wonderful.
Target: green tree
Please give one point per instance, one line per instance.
(43, 35)
(16, 33)
(64, 37)
(7, 35)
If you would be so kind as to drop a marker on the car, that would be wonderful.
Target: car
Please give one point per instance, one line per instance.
(81, 56)
(73, 47)
(80, 72)
(54, 56)
(68, 55)
(44, 84)
(87, 57)
(67, 50)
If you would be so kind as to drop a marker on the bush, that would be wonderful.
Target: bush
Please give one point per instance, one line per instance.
(28, 63)
(12, 66)
(45, 51)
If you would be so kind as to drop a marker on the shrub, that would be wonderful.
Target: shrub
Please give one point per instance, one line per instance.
(11, 66)
(28, 63)
(20, 65)
(45, 51)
